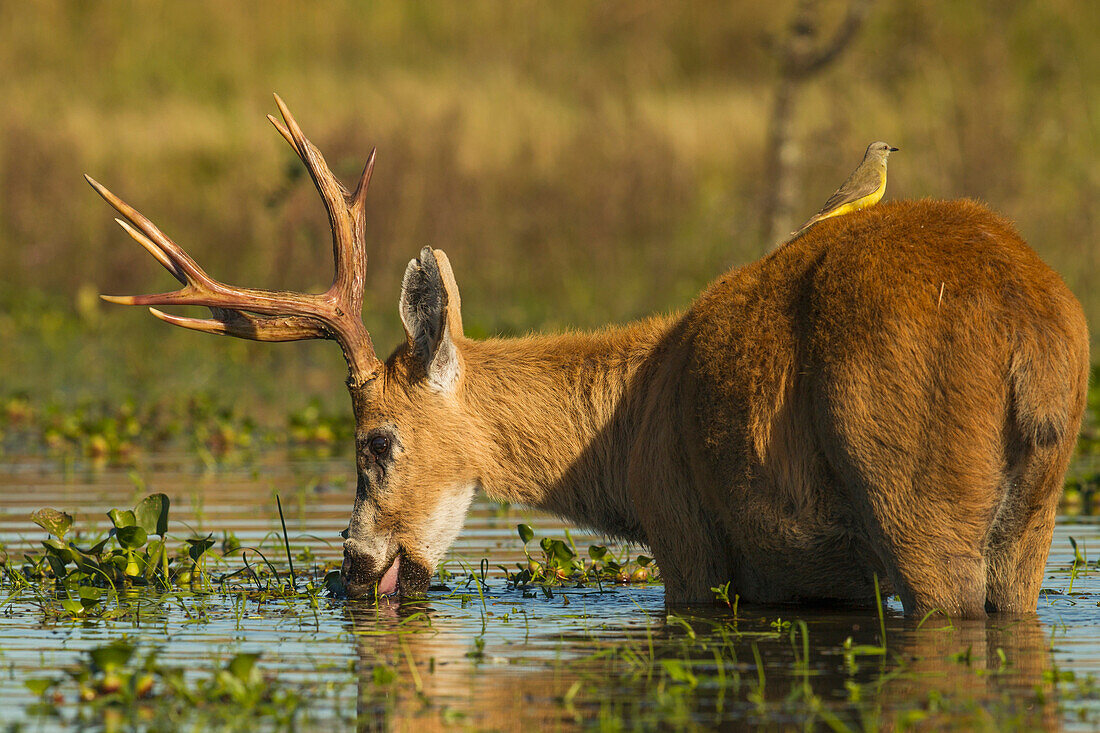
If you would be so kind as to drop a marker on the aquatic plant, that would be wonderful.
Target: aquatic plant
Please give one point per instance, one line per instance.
(560, 562)
(113, 686)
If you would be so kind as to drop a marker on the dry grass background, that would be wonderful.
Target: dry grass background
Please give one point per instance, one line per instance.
(581, 162)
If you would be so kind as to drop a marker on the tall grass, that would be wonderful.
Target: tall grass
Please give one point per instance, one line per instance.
(580, 162)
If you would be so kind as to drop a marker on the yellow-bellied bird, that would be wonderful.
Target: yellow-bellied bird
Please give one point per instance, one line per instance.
(863, 188)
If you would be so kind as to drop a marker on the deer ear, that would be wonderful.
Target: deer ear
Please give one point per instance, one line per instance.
(454, 303)
(430, 314)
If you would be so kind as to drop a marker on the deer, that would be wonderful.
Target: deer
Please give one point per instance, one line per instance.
(887, 403)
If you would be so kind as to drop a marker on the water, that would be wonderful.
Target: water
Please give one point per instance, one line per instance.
(503, 659)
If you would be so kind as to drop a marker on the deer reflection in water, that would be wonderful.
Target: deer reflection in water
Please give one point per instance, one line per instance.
(414, 674)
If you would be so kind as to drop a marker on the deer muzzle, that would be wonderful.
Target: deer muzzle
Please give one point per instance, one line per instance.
(368, 568)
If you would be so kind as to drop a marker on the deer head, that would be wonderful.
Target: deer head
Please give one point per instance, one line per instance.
(411, 498)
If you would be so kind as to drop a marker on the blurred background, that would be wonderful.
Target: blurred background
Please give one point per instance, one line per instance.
(581, 162)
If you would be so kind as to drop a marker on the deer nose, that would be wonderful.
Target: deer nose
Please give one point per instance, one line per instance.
(361, 566)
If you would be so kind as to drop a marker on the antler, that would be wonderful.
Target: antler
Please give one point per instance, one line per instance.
(269, 315)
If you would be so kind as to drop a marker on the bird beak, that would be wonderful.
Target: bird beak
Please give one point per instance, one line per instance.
(894, 150)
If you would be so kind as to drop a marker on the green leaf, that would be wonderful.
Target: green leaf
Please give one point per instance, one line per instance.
(644, 560)
(112, 656)
(546, 543)
(152, 557)
(57, 565)
(83, 561)
(95, 549)
(76, 608)
(563, 552)
(90, 593)
(59, 549)
(597, 552)
(525, 532)
(122, 518)
(199, 546)
(131, 537)
(152, 514)
(55, 522)
(240, 666)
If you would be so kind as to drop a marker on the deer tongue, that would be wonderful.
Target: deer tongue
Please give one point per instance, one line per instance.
(388, 583)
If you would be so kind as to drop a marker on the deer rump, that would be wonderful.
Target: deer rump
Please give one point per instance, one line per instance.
(894, 394)
(891, 397)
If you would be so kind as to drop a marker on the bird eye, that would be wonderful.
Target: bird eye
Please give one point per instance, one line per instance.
(379, 445)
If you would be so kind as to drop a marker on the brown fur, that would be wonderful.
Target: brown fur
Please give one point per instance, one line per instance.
(896, 393)
(893, 393)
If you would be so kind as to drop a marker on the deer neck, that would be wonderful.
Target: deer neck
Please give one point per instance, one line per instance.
(557, 417)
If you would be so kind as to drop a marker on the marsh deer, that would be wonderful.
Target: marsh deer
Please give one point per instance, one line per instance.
(894, 394)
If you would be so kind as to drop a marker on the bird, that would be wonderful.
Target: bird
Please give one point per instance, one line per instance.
(863, 188)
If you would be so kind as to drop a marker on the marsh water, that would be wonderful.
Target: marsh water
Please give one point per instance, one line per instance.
(481, 654)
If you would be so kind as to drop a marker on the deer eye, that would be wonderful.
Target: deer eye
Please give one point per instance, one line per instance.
(379, 445)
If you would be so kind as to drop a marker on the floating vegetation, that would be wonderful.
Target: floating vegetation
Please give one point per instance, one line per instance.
(114, 686)
(543, 629)
(121, 433)
(102, 577)
(560, 563)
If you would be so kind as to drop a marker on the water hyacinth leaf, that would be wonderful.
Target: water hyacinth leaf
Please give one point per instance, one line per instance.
(152, 514)
(597, 552)
(57, 566)
(90, 593)
(55, 522)
(76, 608)
(563, 552)
(240, 666)
(153, 552)
(95, 549)
(131, 537)
(58, 548)
(546, 543)
(111, 656)
(525, 532)
(122, 518)
(83, 561)
(644, 560)
(199, 546)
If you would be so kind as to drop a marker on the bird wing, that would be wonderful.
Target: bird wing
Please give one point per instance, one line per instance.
(852, 190)
(861, 183)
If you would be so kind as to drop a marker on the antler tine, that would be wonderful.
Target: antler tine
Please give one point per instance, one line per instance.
(283, 131)
(345, 213)
(246, 325)
(267, 315)
(180, 264)
(359, 198)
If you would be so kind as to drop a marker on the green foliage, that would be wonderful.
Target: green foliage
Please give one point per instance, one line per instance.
(112, 683)
(53, 521)
(560, 563)
(86, 578)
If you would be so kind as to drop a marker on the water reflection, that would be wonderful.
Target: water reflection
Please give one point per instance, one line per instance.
(419, 667)
(502, 660)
